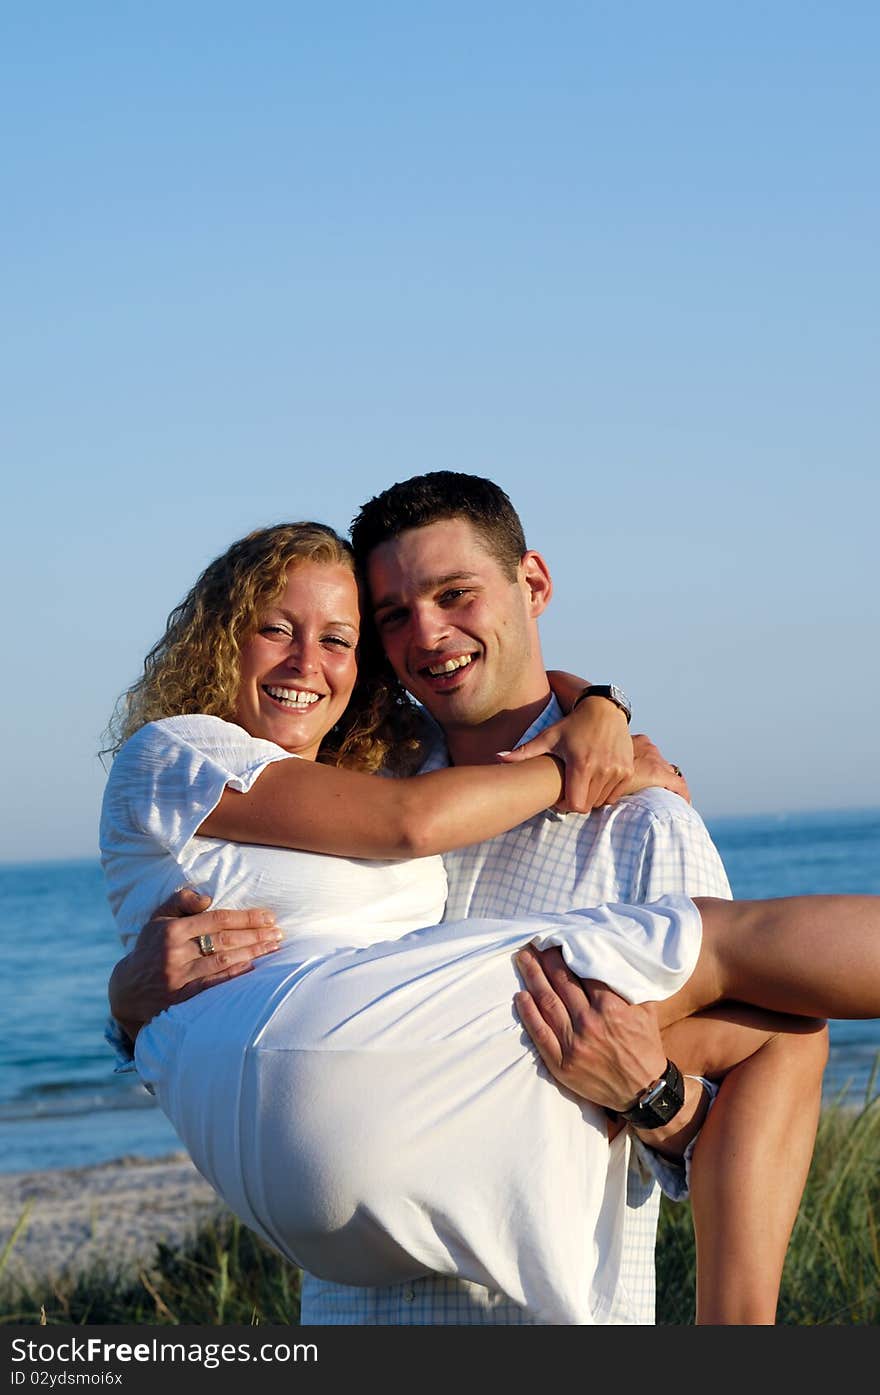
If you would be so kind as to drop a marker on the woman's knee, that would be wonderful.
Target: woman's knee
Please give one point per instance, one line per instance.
(806, 1045)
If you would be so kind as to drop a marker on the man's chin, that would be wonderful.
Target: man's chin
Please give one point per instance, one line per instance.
(455, 708)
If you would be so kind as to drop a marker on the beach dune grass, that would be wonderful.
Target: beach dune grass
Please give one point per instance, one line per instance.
(227, 1275)
(223, 1275)
(832, 1271)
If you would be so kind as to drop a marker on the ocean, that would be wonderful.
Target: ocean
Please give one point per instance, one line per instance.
(62, 1105)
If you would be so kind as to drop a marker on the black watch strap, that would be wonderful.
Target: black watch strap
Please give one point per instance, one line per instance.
(606, 690)
(660, 1103)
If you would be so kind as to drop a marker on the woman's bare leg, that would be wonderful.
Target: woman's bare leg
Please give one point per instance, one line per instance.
(749, 1169)
(814, 956)
(753, 1153)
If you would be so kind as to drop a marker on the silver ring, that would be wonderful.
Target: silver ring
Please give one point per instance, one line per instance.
(679, 772)
(205, 944)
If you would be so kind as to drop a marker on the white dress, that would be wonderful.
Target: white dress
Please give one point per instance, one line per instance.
(366, 1099)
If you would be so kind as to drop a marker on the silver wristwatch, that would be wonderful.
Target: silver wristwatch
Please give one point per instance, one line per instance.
(609, 691)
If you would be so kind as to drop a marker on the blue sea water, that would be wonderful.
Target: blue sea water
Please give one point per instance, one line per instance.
(61, 1105)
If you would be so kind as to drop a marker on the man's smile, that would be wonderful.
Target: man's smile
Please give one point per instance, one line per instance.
(447, 674)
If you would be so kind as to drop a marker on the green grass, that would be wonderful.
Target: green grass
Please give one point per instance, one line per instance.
(226, 1275)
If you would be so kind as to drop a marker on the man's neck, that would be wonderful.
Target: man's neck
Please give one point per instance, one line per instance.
(479, 745)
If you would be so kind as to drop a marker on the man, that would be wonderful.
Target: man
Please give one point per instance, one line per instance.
(457, 597)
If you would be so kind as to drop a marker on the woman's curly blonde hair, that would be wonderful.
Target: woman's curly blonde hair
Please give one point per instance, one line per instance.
(195, 666)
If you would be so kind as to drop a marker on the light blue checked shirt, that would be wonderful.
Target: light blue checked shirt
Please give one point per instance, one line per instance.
(634, 851)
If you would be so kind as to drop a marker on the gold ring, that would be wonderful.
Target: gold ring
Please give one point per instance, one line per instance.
(205, 944)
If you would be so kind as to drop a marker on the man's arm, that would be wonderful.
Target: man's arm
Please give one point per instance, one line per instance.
(166, 966)
(598, 1045)
(591, 1040)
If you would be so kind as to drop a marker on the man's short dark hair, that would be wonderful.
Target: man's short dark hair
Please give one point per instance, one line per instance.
(424, 499)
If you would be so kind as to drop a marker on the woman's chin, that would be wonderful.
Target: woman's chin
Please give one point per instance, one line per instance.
(298, 735)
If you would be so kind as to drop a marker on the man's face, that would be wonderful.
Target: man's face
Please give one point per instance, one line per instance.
(460, 634)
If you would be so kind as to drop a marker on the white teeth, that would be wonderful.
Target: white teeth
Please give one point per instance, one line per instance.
(292, 697)
(450, 666)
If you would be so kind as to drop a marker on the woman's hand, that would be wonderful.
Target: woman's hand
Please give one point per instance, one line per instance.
(651, 770)
(594, 743)
(166, 965)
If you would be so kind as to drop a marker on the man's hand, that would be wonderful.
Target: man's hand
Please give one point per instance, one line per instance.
(594, 743)
(651, 769)
(166, 965)
(591, 1040)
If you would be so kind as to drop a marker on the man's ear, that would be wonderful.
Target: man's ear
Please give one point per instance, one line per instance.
(536, 577)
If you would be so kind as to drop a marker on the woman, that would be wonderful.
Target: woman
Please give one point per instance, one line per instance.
(276, 1081)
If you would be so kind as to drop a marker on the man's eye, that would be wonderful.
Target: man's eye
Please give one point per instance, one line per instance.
(454, 594)
(391, 617)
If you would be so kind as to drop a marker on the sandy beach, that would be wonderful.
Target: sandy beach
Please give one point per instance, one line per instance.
(116, 1212)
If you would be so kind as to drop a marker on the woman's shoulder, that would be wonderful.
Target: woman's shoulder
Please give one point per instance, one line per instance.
(189, 757)
(197, 731)
(193, 725)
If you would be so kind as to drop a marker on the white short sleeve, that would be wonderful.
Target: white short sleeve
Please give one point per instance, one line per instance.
(164, 783)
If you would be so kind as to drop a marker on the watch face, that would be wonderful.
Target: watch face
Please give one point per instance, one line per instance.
(661, 1106)
(620, 697)
(666, 1106)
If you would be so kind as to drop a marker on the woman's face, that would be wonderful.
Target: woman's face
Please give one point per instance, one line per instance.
(299, 667)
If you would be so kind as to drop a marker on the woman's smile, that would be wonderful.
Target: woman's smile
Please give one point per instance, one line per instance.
(299, 667)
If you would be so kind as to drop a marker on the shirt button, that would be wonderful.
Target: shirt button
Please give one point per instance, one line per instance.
(409, 1295)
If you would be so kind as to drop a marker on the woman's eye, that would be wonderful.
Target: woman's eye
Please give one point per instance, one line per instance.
(338, 641)
(274, 630)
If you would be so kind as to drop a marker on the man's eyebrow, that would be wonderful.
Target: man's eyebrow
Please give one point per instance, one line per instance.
(430, 583)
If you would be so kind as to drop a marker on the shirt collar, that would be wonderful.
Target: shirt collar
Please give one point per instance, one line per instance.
(551, 713)
(437, 755)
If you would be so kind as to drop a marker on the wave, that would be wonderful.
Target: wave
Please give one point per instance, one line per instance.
(64, 1099)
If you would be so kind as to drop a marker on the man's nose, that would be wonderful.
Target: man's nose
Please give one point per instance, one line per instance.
(430, 626)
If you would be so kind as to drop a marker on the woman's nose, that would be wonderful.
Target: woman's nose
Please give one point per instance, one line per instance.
(303, 655)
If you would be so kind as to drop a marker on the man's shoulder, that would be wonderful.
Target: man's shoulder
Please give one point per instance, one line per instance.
(656, 807)
(660, 803)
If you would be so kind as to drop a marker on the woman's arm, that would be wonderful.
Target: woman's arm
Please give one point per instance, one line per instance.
(318, 808)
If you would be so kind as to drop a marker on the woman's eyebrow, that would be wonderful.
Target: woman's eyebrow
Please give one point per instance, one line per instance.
(291, 615)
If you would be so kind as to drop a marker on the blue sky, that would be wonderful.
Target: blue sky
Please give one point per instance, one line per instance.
(261, 261)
